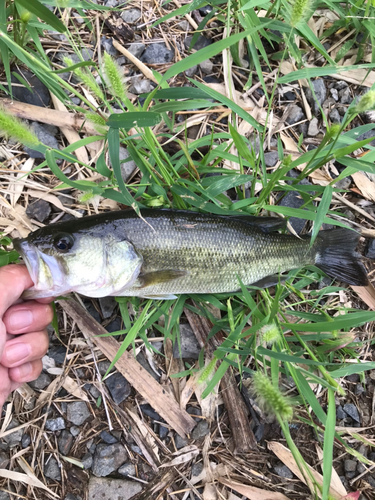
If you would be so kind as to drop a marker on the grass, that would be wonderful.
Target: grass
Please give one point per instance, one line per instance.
(314, 334)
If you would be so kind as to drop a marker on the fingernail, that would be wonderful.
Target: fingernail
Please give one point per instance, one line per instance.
(22, 371)
(17, 352)
(20, 319)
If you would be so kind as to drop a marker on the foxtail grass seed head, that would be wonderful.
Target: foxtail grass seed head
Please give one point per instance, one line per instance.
(113, 77)
(366, 102)
(270, 397)
(334, 130)
(300, 12)
(12, 127)
(86, 78)
(97, 121)
(207, 371)
(269, 334)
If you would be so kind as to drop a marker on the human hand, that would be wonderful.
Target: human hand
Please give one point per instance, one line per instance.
(23, 334)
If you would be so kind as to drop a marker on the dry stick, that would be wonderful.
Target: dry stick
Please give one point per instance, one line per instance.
(243, 437)
(142, 67)
(162, 402)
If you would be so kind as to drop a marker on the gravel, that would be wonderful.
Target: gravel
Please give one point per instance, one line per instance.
(107, 306)
(294, 114)
(189, 344)
(206, 66)
(140, 85)
(112, 489)
(107, 437)
(108, 458)
(180, 442)
(131, 16)
(127, 470)
(87, 461)
(39, 210)
(313, 129)
(136, 49)
(271, 158)
(370, 249)
(78, 413)
(107, 44)
(345, 96)
(119, 387)
(127, 168)
(199, 44)
(283, 471)
(52, 469)
(46, 135)
(350, 465)
(13, 439)
(55, 424)
(334, 116)
(351, 410)
(44, 379)
(65, 442)
(39, 96)
(157, 53)
(320, 92)
(201, 430)
(4, 460)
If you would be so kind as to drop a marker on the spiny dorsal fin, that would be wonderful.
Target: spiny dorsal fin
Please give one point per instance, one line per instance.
(266, 224)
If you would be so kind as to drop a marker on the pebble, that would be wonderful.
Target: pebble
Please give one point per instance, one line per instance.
(127, 168)
(13, 439)
(127, 469)
(199, 44)
(39, 96)
(370, 249)
(350, 465)
(136, 49)
(44, 379)
(367, 135)
(351, 410)
(65, 442)
(4, 495)
(283, 471)
(294, 200)
(111, 3)
(150, 412)
(206, 66)
(184, 25)
(131, 16)
(107, 305)
(107, 437)
(197, 469)
(74, 430)
(107, 44)
(201, 430)
(4, 460)
(140, 85)
(313, 129)
(344, 183)
(340, 85)
(78, 413)
(334, 116)
(78, 18)
(191, 71)
(157, 53)
(118, 386)
(180, 442)
(57, 353)
(294, 114)
(345, 96)
(271, 158)
(52, 469)
(25, 441)
(87, 461)
(195, 413)
(39, 210)
(108, 458)
(359, 389)
(320, 94)
(141, 358)
(55, 424)
(335, 94)
(190, 347)
(112, 489)
(46, 135)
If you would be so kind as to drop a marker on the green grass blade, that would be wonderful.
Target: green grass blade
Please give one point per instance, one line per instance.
(345, 322)
(41, 11)
(133, 119)
(329, 436)
(325, 71)
(321, 212)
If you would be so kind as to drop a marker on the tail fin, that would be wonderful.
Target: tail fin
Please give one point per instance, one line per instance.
(337, 257)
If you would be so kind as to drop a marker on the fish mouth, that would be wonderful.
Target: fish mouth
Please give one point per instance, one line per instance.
(29, 256)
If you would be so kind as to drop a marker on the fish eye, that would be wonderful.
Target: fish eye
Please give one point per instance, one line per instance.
(63, 242)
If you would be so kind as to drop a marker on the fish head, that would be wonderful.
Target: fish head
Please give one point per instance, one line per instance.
(93, 262)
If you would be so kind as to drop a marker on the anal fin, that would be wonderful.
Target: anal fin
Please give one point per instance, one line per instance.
(268, 281)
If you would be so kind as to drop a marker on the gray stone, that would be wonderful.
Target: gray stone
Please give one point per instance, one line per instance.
(157, 53)
(294, 200)
(180, 442)
(191, 71)
(370, 250)
(107, 437)
(345, 96)
(142, 360)
(4, 495)
(320, 92)
(52, 469)
(39, 96)
(70, 496)
(335, 94)
(367, 135)
(350, 465)
(128, 167)
(55, 424)
(44, 379)
(199, 44)
(103, 367)
(190, 347)
(78, 412)
(39, 210)
(127, 469)
(340, 85)
(206, 66)
(359, 389)
(350, 475)
(65, 442)
(284, 471)
(107, 44)
(351, 410)
(140, 85)
(184, 25)
(74, 430)
(361, 468)
(112, 489)
(13, 439)
(119, 387)
(271, 158)
(78, 18)
(334, 116)
(87, 55)
(344, 183)
(197, 469)
(111, 3)
(108, 458)
(107, 305)
(25, 441)
(94, 391)
(87, 461)
(313, 129)
(131, 16)
(136, 49)
(201, 430)
(57, 353)
(4, 460)
(294, 114)
(43, 132)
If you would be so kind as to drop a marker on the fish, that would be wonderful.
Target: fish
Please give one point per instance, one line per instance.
(165, 253)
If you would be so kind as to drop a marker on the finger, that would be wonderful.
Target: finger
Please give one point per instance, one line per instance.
(25, 348)
(5, 385)
(27, 317)
(26, 372)
(14, 279)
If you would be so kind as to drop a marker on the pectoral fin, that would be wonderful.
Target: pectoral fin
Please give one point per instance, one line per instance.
(268, 281)
(158, 277)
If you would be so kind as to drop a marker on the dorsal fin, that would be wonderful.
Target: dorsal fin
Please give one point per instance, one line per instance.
(266, 224)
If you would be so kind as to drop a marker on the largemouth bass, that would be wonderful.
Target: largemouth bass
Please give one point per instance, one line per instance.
(167, 252)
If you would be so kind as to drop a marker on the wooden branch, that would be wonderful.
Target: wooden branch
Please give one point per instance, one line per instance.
(162, 402)
(243, 436)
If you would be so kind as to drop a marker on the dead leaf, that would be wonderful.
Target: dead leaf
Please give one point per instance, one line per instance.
(365, 185)
(367, 294)
(73, 388)
(182, 459)
(335, 478)
(252, 492)
(51, 198)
